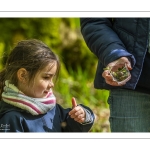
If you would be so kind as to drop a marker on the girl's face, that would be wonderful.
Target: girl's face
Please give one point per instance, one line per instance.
(42, 84)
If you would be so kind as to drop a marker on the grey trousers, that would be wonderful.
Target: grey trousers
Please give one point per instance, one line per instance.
(129, 111)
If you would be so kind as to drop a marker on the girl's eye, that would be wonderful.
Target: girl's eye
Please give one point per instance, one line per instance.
(47, 78)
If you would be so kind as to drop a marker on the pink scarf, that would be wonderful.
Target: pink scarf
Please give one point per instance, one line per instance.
(35, 106)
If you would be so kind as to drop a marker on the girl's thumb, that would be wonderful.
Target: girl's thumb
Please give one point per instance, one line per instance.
(74, 103)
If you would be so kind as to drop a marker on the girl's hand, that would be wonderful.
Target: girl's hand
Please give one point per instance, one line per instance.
(77, 112)
(106, 74)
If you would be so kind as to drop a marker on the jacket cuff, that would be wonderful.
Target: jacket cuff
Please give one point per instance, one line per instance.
(88, 117)
(116, 54)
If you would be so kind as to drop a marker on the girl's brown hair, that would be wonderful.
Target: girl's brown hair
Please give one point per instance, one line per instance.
(33, 55)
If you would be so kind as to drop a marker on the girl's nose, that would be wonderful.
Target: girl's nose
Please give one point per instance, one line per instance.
(51, 84)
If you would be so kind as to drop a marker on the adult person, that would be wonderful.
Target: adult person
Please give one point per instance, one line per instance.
(116, 41)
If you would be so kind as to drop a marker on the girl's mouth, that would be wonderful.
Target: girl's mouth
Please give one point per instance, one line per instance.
(46, 92)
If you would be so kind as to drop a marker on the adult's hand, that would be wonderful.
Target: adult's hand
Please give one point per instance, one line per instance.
(106, 74)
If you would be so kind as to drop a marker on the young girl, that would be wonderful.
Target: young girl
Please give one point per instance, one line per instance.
(27, 102)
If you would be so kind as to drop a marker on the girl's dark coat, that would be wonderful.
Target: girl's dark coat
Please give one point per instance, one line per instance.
(13, 119)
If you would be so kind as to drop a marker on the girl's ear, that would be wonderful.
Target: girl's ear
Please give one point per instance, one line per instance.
(22, 75)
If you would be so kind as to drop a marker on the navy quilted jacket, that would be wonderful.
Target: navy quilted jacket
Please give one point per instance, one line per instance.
(110, 39)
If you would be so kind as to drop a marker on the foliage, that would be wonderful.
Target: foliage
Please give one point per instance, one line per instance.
(78, 64)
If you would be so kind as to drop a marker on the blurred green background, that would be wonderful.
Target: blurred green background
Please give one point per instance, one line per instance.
(78, 64)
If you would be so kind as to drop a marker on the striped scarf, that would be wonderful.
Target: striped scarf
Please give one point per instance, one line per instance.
(35, 106)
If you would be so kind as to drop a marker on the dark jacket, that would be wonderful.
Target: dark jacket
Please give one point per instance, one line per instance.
(110, 39)
(13, 119)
